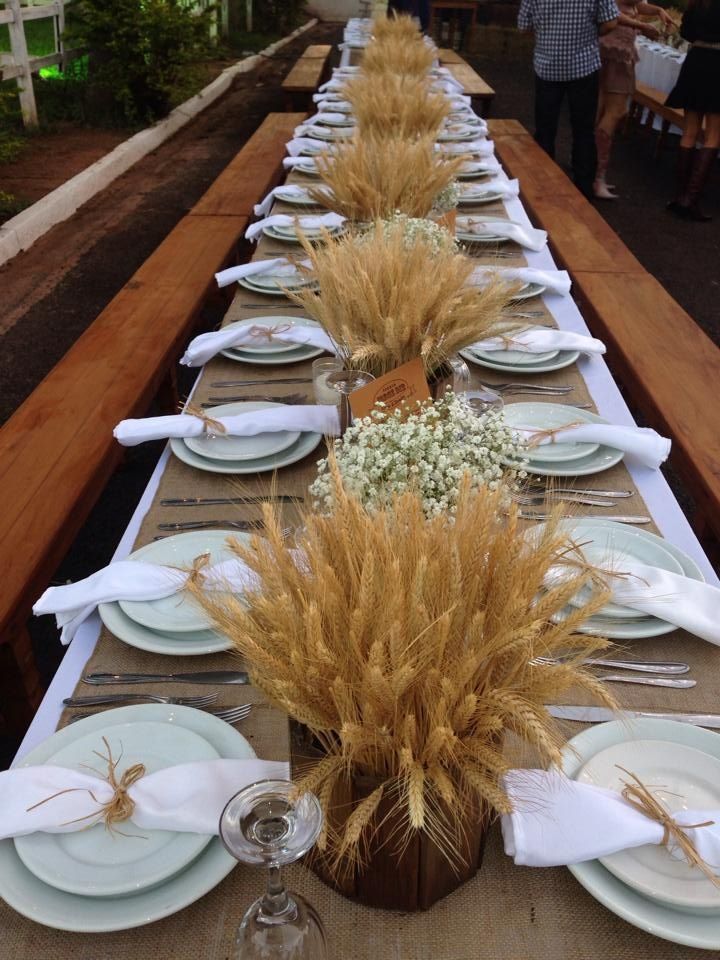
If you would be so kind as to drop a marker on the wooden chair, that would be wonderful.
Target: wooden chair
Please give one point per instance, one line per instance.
(57, 450)
(306, 76)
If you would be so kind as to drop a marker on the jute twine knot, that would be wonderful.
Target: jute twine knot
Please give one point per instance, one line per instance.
(674, 836)
(269, 332)
(210, 426)
(196, 571)
(120, 806)
(551, 432)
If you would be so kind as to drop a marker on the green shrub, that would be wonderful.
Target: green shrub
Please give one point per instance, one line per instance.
(9, 206)
(12, 140)
(138, 51)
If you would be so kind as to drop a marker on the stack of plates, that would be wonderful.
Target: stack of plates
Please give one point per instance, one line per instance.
(302, 199)
(93, 880)
(610, 545)
(290, 234)
(454, 133)
(275, 352)
(518, 361)
(175, 625)
(471, 193)
(275, 285)
(474, 170)
(559, 459)
(241, 455)
(330, 134)
(646, 886)
(465, 235)
(308, 169)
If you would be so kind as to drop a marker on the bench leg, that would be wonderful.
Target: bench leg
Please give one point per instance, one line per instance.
(20, 686)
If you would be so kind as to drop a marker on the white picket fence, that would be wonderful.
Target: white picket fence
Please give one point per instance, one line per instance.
(19, 65)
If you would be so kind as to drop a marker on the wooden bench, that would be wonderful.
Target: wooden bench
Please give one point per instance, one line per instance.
(57, 450)
(473, 85)
(653, 100)
(306, 76)
(663, 359)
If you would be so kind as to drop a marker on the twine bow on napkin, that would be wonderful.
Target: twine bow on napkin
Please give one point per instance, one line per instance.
(550, 433)
(268, 332)
(210, 427)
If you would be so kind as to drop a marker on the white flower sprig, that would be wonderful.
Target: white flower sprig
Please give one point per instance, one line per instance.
(427, 451)
(418, 228)
(447, 199)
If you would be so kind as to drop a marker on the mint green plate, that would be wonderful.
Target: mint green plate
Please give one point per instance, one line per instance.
(545, 416)
(304, 446)
(228, 448)
(692, 930)
(188, 644)
(38, 901)
(296, 355)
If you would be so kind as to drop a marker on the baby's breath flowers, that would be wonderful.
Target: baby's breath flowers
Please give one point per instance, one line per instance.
(447, 199)
(427, 452)
(416, 229)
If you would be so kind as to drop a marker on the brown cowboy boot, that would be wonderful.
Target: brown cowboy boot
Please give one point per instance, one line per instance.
(682, 178)
(702, 166)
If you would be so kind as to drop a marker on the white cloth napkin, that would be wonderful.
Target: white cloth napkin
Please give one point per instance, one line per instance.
(689, 604)
(263, 208)
(329, 220)
(446, 85)
(557, 821)
(72, 603)
(478, 148)
(643, 444)
(320, 418)
(327, 116)
(207, 345)
(460, 129)
(316, 133)
(335, 83)
(489, 163)
(276, 267)
(556, 281)
(187, 798)
(506, 188)
(290, 162)
(295, 146)
(332, 98)
(528, 237)
(459, 101)
(540, 340)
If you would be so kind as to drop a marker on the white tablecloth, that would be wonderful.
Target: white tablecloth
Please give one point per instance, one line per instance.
(658, 67)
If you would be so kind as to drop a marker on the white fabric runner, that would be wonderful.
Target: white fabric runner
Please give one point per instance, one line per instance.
(331, 221)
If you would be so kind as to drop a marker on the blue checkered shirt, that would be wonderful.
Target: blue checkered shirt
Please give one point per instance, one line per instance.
(566, 35)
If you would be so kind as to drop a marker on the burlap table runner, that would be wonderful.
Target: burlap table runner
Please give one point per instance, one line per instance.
(506, 912)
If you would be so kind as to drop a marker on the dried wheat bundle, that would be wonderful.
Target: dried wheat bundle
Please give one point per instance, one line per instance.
(398, 27)
(392, 294)
(387, 103)
(406, 55)
(407, 648)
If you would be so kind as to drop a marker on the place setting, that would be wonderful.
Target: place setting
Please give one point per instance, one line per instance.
(272, 277)
(532, 350)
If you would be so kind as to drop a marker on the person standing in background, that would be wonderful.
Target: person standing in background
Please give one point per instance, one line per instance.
(617, 79)
(567, 63)
(697, 92)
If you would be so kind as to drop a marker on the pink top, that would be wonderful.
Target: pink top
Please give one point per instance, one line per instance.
(619, 44)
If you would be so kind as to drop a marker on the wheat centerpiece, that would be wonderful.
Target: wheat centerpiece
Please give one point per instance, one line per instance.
(401, 105)
(391, 53)
(407, 649)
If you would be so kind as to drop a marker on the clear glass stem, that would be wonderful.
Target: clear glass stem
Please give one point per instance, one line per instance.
(275, 902)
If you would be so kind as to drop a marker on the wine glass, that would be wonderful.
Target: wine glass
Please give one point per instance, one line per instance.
(269, 824)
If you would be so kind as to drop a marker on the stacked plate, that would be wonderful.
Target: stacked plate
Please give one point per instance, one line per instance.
(475, 170)
(646, 885)
(559, 459)
(465, 235)
(519, 361)
(308, 168)
(272, 352)
(243, 455)
(276, 284)
(456, 132)
(472, 193)
(613, 546)
(331, 134)
(291, 233)
(298, 196)
(175, 625)
(92, 880)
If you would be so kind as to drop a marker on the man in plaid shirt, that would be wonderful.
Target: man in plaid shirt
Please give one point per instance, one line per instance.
(567, 61)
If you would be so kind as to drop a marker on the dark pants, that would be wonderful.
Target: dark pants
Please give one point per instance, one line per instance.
(582, 97)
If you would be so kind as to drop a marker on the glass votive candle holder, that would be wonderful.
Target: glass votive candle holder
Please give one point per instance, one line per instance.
(321, 370)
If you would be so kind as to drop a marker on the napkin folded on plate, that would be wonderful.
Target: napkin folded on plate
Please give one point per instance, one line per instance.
(296, 146)
(327, 116)
(276, 267)
(459, 101)
(331, 221)
(329, 97)
(689, 604)
(478, 148)
(556, 281)
(446, 85)
(313, 418)
(528, 237)
(489, 164)
(290, 162)
(460, 129)
(506, 188)
(643, 444)
(540, 340)
(186, 798)
(72, 603)
(263, 208)
(207, 345)
(557, 822)
(316, 133)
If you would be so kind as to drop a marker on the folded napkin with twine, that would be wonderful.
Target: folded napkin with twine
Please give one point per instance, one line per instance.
(642, 444)
(556, 281)
(275, 267)
(327, 116)
(540, 340)
(290, 162)
(331, 98)
(186, 798)
(263, 208)
(296, 146)
(313, 418)
(692, 605)
(506, 188)
(460, 129)
(528, 237)
(207, 345)
(557, 822)
(315, 133)
(331, 221)
(477, 148)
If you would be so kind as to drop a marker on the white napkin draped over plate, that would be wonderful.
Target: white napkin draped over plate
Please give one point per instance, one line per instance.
(557, 822)
(327, 116)
(478, 148)
(316, 133)
(460, 129)
(313, 418)
(207, 345)
(642, 444)
(276, 267)
(290, 162)
(692, 605)
(556, 281)
(186, 798)
(540, 341)
(331, 221)
(506, 188)
(263, 208)
(528, 237)
(296, 146)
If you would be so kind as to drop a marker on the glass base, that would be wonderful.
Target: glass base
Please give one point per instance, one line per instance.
(293, 933)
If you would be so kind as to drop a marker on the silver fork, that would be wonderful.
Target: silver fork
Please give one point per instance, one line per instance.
(640, 666)
(228, 714)
(538, 499)
(291, 399)
(109, 698)
(516, 387)
(212, 524)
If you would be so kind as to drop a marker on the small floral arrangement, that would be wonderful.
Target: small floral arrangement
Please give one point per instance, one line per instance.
(416, 229)
(447, 199)
(427, 451)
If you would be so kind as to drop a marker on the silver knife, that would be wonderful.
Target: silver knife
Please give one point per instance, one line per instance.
(257, 383)
(203, 676)
(218, 501)
(210, 524)
(603, 714)
(541, 487)
(579, 516)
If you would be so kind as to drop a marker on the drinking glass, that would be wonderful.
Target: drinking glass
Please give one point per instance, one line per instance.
(268, 824)
(321, 370)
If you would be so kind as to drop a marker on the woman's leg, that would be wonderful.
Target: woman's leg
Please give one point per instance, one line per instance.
(613, 107)
(703, 165)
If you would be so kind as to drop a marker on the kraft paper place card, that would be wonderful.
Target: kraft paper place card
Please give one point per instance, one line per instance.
(403, 385)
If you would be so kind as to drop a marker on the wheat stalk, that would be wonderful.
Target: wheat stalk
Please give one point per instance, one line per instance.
(393, 104)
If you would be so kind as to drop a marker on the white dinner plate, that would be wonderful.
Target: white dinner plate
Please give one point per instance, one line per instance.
(291, 234)
(264, 345)
(307, 169)
(545, 416)
(474, 170)
(188, 644)
(528, 291)
(96, 862)
(681, 778)
(693, 930)
(178, 613)
(44, 904)
(516, 358)
(303, 200)
(564, 359)
(272, 359)
(275, 285)
(223, 448)
(298, 451)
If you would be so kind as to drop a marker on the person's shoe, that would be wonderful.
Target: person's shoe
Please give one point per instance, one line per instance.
(687, 204)
(682, 177)
(603, 191)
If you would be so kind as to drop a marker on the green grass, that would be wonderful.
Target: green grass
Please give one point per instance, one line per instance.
(39, 36)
